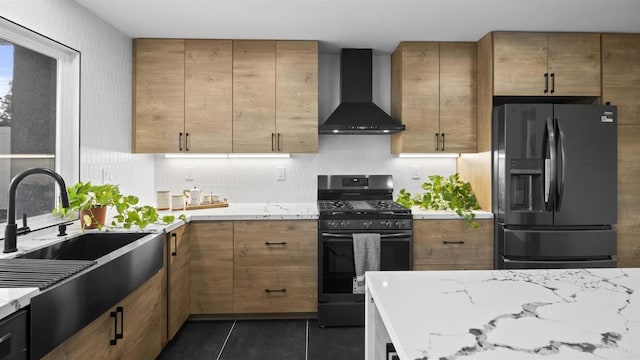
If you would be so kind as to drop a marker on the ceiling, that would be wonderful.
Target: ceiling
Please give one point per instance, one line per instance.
(377, 24)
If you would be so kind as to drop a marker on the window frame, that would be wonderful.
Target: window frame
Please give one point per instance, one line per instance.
(67, 152)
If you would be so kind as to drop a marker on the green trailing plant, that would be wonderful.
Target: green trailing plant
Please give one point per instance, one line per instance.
(442, 193)
(85, 197)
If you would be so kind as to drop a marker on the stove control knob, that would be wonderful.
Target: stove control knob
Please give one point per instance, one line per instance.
(332, 224)
(344, 224)
(397, 224)
(366, 224)
(388, 224)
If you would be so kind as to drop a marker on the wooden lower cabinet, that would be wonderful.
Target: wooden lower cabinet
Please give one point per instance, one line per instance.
(452, 244)
(275, 289)
(211, 267)
(275, 266)
(178, 279)
(141, 329)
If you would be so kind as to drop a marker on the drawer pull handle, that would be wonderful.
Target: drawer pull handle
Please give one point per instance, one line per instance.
(175, 244)
(454, 242)
(275, 243)
(275, 290)
(120, 310)
(114, 341)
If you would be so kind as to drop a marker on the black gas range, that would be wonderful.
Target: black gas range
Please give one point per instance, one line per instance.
(350, 204)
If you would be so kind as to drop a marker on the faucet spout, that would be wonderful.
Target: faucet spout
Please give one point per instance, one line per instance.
(10, 232)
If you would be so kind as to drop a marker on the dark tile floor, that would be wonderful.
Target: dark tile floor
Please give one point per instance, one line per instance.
(265, 340)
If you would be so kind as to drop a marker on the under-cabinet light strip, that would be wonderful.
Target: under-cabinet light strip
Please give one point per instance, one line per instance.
(429, 155)
(224, 156)
(27, 156)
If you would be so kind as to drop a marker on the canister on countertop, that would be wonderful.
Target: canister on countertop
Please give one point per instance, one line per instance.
(193, 196)
(163, 199)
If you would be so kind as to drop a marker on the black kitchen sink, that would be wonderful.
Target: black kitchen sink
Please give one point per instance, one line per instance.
(89, 246)
(118, 264)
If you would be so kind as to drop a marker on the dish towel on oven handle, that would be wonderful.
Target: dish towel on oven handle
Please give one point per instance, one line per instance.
(366, 257)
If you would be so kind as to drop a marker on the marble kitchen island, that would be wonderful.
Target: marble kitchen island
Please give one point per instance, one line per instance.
(504, 314)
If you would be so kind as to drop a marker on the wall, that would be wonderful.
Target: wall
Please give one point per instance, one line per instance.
(105, 89)
(254, 180)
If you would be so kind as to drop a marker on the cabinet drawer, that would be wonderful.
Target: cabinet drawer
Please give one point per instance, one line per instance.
(452, 242)
(273, 289)
(275, 243)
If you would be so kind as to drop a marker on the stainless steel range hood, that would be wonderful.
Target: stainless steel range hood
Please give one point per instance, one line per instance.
(357, 114)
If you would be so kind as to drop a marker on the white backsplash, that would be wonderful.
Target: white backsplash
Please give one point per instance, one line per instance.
(254, 180)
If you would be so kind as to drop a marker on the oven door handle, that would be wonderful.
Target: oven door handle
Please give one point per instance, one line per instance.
(350, 236)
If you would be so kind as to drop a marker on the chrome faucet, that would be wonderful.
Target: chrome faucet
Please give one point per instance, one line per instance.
(10, 231)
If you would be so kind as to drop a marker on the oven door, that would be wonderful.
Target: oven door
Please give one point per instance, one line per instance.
(337, 268)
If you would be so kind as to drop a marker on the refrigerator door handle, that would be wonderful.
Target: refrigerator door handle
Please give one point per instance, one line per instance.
(550, 164)
(563, 165)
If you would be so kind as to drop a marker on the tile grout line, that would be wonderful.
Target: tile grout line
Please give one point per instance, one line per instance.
(306, 348)
(226, 340)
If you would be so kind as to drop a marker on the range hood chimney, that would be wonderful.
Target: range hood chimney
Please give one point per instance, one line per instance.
(357, 114)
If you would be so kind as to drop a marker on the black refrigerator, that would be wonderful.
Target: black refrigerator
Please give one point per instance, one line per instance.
(554, 185)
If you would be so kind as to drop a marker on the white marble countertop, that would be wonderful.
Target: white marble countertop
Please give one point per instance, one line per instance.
(235, 211)
(510, 314)
(255, 211)
(13, 299)
(419, 214)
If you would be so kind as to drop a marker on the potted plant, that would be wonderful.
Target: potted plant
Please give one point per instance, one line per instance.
(91, 202)
(444, 194)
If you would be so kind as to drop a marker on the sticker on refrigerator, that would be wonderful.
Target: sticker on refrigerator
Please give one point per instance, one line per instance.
(607, 117)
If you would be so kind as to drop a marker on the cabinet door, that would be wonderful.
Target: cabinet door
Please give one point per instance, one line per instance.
(458, 97)
(452, 244)
(621, 75)
(519, 63)
(208, 96)
(574, 64)
(142, 311)
(254, 66)
(158, 91)
(415, 84)
(92, 342)
(212, 267)
(179, 287)
(297, 96)
(275, 289)
(628, 196)
(275, 243)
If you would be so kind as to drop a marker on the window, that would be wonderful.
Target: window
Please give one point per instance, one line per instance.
(39, 120)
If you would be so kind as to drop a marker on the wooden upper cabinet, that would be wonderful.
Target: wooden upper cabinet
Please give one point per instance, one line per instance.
(433, 92)
(520, 63)
(222, 96)
(415, 68)
(208, 91)
(158, 91)
(621, 75)
(297, 96)
(574, 64)
(546, 64)
(458, 97)
(254, 88)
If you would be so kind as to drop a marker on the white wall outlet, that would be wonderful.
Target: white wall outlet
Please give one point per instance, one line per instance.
(107, 178)
(415, 172)
(188, 173)
(280, 174)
